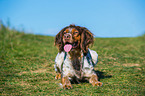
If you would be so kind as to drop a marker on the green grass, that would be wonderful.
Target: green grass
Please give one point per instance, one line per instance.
(27, 60)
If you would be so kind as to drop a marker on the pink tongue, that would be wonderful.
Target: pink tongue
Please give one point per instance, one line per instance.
(67, 47)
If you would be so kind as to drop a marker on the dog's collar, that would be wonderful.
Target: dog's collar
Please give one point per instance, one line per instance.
(65, 54)
(89, 59)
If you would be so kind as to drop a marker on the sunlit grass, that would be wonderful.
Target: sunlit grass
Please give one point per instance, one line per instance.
(26, 66)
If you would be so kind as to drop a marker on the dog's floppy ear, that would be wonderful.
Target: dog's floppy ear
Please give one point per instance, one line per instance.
(87, 39)
(59, 40)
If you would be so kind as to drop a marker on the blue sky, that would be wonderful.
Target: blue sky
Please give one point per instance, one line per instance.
(104, 18)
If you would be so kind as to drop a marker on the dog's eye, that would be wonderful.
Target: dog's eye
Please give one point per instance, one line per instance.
(76, 32)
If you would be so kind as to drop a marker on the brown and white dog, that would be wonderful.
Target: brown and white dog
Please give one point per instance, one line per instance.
(75, 61)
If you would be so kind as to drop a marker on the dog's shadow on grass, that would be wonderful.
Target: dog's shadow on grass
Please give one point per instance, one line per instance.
(102, 75)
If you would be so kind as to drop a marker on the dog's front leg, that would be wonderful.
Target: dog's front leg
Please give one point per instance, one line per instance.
(94, 80)
(66, 83)
(58, 76)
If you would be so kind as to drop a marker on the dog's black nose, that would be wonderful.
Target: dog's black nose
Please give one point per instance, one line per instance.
(67, 36)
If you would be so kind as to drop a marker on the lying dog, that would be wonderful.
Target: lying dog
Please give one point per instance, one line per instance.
(75, 61)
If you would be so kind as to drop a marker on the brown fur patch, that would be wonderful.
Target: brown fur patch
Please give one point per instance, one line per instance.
(80, 34)
(66, 83)
(94, 80)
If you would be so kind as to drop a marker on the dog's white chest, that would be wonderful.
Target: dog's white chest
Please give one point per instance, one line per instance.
(64, 64)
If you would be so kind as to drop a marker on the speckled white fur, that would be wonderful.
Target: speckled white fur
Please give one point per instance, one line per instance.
(68, 69)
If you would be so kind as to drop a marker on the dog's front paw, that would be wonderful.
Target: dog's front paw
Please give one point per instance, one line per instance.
(58, 76)
(66, 83)
(97, 83)
(94, 81)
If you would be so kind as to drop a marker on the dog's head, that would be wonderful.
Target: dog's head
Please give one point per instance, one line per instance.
(74, 37)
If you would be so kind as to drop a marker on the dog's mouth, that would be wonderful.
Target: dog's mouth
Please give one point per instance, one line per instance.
(68, 46)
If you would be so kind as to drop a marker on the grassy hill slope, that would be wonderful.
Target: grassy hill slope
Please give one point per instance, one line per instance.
(26, 66)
